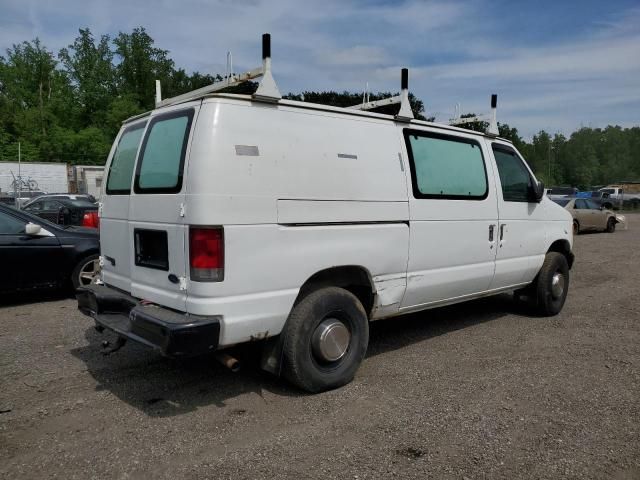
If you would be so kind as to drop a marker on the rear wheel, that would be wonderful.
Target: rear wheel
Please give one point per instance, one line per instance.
(611, 225)
(576, 227)
(325, 340)
(85, 272)
(552, 284)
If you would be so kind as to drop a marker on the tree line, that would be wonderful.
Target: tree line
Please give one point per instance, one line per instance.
(68, 107)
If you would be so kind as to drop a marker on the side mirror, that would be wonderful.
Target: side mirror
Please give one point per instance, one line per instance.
(538, 191)
(32, 229)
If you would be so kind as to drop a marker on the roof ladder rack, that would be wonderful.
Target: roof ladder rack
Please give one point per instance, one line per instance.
(491, 117)
(405, 114)
(267, 90)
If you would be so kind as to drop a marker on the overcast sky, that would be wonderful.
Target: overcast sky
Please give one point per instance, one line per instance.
(555, 65)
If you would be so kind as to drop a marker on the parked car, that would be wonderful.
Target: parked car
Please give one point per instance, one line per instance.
(588, 215)
(36, 253)
(227, 220)
(65, 210)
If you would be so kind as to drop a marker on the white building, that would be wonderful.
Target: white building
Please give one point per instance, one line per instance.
(47, 177)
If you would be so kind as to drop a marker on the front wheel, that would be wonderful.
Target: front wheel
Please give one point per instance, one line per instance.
(552, 284)
(611, 225)
(325, 340)
(85, 272)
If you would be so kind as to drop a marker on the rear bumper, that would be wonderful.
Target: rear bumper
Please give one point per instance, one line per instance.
(174, 334)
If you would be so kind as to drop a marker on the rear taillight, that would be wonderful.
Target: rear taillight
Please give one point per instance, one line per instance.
(206, 254)
(90, 219)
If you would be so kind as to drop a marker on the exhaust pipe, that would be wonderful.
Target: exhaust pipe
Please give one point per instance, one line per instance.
(228, 361)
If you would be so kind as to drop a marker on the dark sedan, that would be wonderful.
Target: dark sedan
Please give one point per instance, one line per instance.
(35, 253)
(65, 210)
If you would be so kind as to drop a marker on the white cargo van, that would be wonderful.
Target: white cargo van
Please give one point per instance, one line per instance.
(230, 218)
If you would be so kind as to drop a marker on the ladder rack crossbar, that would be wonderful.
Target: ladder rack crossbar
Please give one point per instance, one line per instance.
(376, 103)
(231, 81)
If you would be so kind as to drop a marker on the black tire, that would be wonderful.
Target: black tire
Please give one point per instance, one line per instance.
(576, 227)
(549, 299)
(611, 225)
(301, 366)
(81, 268)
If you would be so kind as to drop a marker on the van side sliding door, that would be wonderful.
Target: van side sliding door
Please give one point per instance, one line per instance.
(453, 217)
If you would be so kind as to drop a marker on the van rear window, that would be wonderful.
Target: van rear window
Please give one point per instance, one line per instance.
(163, 151)
(124, 159)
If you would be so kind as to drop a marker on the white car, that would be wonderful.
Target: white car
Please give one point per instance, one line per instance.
(227, 220)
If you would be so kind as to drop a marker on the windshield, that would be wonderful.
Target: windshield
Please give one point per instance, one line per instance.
(608, 190)
(561, 201)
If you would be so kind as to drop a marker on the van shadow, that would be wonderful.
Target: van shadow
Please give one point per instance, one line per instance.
(162, 387)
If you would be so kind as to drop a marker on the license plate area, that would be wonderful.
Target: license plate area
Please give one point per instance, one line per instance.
(151, 249)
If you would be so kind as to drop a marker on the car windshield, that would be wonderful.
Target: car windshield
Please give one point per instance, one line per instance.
(562, 201)
(608, 190)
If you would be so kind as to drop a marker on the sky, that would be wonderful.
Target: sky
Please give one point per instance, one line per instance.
(555, 65)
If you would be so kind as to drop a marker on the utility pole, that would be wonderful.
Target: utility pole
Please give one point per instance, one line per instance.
(19, 178)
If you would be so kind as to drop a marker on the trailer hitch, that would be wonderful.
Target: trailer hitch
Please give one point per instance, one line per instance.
(109, 349)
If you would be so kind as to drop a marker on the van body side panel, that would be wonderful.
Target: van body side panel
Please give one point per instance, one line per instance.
(296, 191)
(267, 264)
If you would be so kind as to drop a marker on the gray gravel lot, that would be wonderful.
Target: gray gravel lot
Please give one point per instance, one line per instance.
(473, 391)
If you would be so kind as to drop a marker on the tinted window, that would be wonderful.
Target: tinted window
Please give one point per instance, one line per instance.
(592, 205)
(581, 205)
(561, 202)
(514, 176)
(10, 225)
(163, 151)
(51, 205)
(124, 158)
(34, 207)
(446, 167)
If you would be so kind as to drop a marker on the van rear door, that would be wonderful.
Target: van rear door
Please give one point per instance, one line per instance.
(115, 245)
(156, 227)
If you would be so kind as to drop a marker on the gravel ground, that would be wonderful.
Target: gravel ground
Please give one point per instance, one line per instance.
(466, 392)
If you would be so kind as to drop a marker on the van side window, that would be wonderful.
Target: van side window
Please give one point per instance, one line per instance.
(124, 159)
(444, 166)
(162, 155)
(514, 176)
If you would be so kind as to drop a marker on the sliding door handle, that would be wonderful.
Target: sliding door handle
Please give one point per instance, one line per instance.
(502, 231)
(491, 230)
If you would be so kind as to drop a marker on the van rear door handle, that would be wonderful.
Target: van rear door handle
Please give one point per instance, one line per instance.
(491, 229)
(501, 231)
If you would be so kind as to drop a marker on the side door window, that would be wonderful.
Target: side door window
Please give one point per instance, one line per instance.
(445, 167)
(35, 207)
(10, 225)
(515, 179)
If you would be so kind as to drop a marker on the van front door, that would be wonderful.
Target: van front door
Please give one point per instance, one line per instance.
(453, 218)
(156, 229)
(521, 232)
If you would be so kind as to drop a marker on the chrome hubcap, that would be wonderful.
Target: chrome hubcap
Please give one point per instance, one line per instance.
(330, 340)
(88, 272)
(557, 285)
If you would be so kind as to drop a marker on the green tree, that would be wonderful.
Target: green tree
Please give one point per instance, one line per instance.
(140, 64)
(89, 66)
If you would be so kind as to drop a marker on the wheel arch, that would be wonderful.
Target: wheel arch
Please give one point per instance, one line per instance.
(353, 278)
(564, 247)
